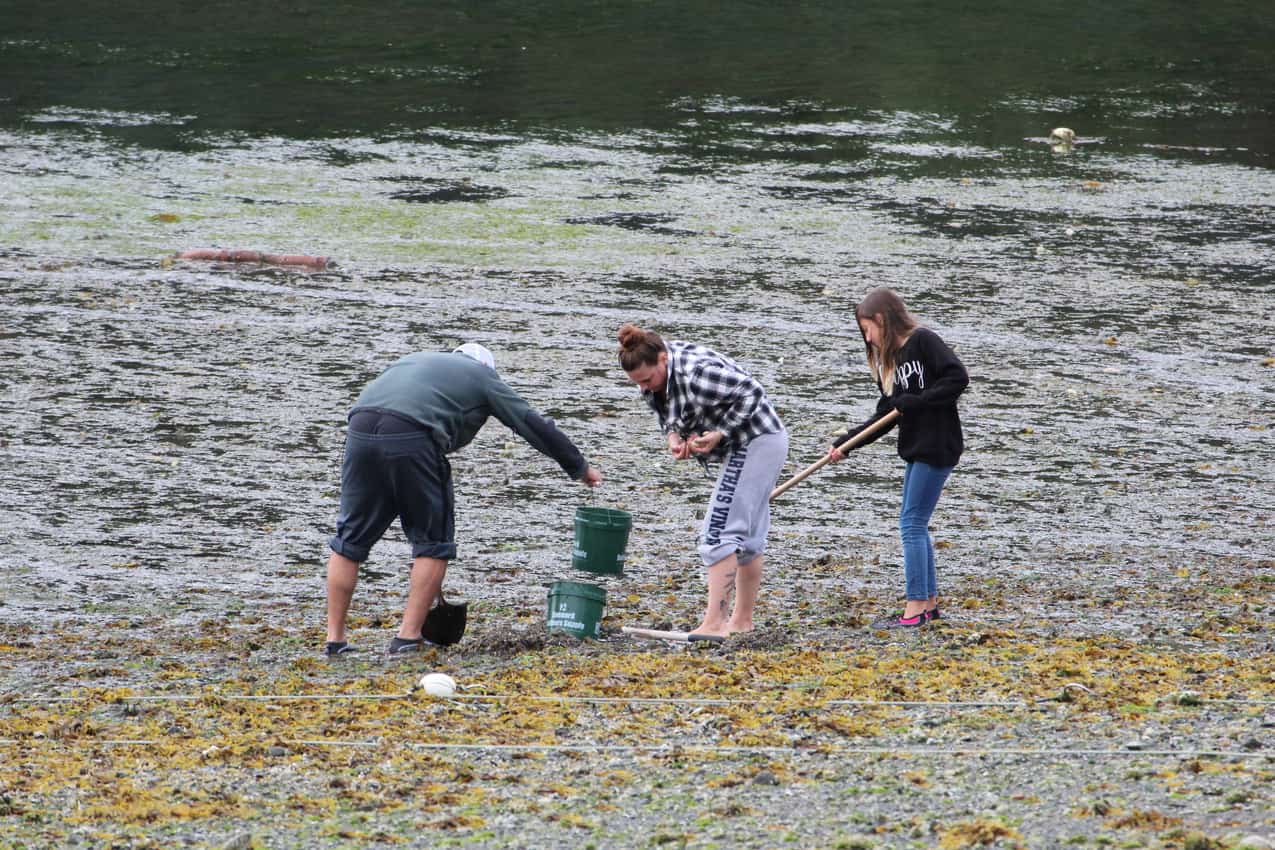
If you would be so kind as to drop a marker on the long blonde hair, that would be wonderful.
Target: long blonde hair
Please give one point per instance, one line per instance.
(885, 306)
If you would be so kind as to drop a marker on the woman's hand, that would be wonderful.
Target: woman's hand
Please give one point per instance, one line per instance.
(706, 442)
(835, 454)
(907, 403)
(680, 448)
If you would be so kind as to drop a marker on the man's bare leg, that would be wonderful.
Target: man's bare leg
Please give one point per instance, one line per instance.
(426, 584)
(343, 575)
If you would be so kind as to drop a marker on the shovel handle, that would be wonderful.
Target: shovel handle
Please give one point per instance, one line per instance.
(826, 459)
(680, 637)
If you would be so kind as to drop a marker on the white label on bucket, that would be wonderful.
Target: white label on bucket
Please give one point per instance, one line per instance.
(569, 623)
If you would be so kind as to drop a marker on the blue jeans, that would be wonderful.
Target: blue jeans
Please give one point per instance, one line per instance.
(922, 485)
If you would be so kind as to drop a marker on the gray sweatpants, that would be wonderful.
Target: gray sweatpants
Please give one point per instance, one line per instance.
(738, 515)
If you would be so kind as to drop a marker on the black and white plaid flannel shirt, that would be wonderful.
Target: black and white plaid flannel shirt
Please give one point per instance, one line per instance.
(707, 391)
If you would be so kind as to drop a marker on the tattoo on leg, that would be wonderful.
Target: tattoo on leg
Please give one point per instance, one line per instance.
(728, 585)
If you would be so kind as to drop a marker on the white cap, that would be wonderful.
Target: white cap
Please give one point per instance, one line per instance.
(474, 351)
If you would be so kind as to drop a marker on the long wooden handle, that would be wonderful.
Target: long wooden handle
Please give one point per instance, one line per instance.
(681, 637)
(846, 446)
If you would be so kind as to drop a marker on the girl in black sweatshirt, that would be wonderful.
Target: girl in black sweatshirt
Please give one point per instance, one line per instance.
(919, 376)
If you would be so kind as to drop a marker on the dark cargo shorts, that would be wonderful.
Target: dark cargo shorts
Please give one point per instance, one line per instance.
(398, 472)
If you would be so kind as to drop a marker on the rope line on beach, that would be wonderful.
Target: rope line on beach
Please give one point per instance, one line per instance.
(1176, 699)
(816, 750)
(712, 749)
(532, 698)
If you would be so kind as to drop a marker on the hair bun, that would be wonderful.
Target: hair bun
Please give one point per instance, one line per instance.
(631, 336)
(638, 347)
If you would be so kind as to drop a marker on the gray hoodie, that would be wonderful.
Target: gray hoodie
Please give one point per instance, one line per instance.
(452, 396)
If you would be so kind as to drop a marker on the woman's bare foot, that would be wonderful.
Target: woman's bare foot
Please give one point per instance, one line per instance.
(708, 627)
(722, 629)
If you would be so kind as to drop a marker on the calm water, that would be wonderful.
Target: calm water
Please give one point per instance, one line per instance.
(532, 175)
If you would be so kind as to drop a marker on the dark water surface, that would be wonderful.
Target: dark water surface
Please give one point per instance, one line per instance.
(530, 176)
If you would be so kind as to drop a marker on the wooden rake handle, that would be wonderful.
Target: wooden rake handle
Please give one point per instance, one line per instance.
(679, 637)
(846, 446)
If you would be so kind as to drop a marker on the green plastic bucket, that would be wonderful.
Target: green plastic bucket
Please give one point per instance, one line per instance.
(602, 535)
(576, 608)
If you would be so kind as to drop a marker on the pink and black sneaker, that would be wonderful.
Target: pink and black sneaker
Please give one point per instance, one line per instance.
(901, 622)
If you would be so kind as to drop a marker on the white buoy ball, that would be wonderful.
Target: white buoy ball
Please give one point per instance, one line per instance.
(1062, 136)
(438, 684)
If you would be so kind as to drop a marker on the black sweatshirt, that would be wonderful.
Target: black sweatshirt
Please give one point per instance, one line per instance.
(927, 381)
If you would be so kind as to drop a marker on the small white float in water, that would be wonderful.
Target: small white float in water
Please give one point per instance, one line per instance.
(1062, 140)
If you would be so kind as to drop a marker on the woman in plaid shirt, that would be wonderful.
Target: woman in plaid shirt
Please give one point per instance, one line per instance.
(711, 409)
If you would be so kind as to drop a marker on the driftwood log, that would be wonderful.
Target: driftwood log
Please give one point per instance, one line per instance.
(220, 256)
